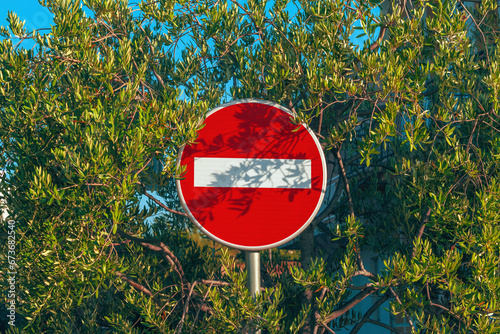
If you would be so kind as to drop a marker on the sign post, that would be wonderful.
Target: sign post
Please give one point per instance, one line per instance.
(254, 179)
(252, 263)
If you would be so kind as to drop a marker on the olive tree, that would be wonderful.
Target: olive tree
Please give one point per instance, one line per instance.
(83, 116)
(408, 119)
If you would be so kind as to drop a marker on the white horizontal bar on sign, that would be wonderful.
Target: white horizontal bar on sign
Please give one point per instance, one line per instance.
(252, 173)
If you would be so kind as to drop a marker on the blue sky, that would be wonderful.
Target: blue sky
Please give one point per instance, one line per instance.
(30, 11)
(37, 16)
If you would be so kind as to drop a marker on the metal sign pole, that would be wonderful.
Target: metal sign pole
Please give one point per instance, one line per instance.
(252, 260)
(252, 263)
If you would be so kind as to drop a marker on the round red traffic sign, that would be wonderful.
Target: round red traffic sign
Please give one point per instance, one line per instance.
(254, 180)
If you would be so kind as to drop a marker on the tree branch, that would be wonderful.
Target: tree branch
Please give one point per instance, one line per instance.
(171, 258)
(359, 260)
(329, 208)
(364, 272)
(381, 34)
(157, 76)
(139, 287)
(381, 324)
(443, 308)
(353, 190)
(400, 303)
(249, 14)
(317, 316)
(425, 220)
(176, 265)
(346, 182)
(350, 304)
(360, 287)
(185, 310)
(203, 307)
(325, 326)
(214, 283)
(368, 313)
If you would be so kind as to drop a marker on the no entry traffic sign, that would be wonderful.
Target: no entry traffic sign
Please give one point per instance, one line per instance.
(253, 179)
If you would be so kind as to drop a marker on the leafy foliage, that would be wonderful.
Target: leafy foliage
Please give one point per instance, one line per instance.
(93, 117)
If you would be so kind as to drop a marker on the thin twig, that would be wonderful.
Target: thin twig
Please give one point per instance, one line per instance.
(151, 197)
(400, 303)
(422, 228)
(346, 182)
(424, 221)
(157, 76)
(206, 308)
(325, 326)
(359, 260)
(259, 29)
(185, 310)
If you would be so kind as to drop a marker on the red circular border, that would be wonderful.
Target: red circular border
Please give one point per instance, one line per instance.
(221, 201)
